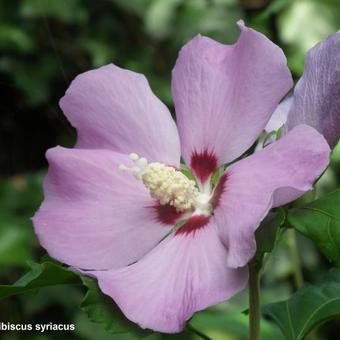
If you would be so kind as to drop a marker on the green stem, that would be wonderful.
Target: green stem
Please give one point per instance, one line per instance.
(294, 253)
(297, 271)
(254, 301)
(193, 330)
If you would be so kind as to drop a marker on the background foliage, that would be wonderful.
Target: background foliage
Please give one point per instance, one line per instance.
(44, 44)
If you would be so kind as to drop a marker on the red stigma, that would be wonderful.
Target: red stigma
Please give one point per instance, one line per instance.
(203, 164)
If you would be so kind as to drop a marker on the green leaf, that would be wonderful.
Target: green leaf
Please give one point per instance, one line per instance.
(267, 234)
(221, 325)
(41, 275)
(101, 309)
(320, 221)
(308, 308)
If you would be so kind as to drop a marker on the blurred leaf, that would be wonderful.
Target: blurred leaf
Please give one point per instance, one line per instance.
(320, 221)
(278, 266)
(34, 80)
(274, 7)
(101, 309)
(335, 157)
(303, 24)
(65, 10)
(64, 296)
(136, 7)
(15, 248)
(327, 183)
(100, 51)
(15, 37)
(19, 197)
(159, 17)
(308, 308)
(41, 275)
(216, 19)
(89, 330)
(227, 326)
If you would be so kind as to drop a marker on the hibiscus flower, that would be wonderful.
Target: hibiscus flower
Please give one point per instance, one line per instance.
(118, 208)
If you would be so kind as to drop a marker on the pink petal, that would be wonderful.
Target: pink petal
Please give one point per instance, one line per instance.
(279, 117)
(185, 273)
(93, 215)
(115, 109)
(276, 175)
(316, 95)
(225, 94)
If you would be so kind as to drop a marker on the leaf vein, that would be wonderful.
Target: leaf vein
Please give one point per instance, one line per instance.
(313, 314)
(322, 212)
(290, 320)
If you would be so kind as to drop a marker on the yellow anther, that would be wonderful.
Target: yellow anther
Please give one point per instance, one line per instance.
(170, 186)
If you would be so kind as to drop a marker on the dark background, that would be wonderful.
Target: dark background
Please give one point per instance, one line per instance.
(44, 44)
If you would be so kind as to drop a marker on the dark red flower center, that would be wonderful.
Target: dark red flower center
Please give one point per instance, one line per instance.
(166, 214)
(193, 224)
(203, 164)
(169, 216)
